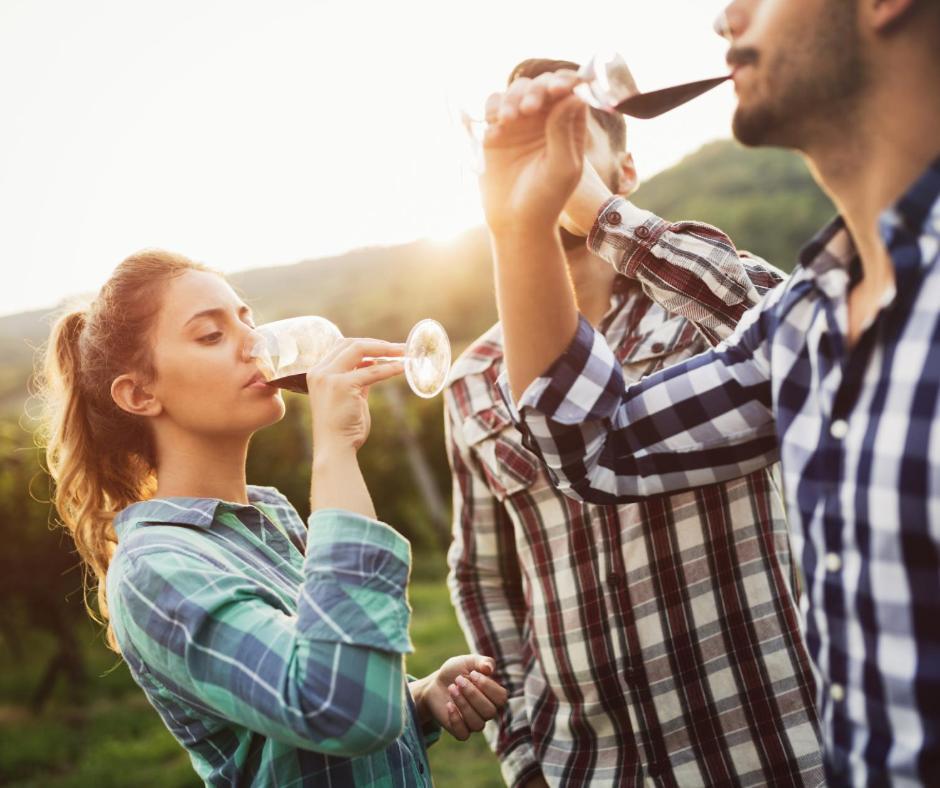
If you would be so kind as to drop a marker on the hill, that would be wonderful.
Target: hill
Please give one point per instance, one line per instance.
(765, 199)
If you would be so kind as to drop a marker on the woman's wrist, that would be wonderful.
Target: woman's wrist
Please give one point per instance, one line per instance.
(419, 689)
(337, 483)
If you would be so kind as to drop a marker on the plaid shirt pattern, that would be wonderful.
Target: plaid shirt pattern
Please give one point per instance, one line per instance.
(651, 641)
(273, 653)
(858, 431)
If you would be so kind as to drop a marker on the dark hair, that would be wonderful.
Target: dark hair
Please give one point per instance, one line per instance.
(612, 122)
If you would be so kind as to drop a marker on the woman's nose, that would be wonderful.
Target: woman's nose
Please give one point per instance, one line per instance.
(250, 343)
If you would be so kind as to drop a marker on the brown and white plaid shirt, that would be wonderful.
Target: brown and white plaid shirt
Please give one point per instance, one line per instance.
(649, 643)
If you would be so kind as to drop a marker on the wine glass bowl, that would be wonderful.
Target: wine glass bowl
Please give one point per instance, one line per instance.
(608, 85)
(606, 81)
(427, 358)
(286, 350)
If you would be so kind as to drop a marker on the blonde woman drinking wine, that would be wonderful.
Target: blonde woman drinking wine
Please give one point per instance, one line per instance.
(272, 649)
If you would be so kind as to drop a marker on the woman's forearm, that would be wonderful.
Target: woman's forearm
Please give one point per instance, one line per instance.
(337, 482)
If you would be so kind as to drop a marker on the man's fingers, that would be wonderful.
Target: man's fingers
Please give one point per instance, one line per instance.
(496, 693)
(470, 716)
(509, 109)
(455, 724)
(562, 82)
(491, 108)
(565, 131)
(533, 100)
(480, 703)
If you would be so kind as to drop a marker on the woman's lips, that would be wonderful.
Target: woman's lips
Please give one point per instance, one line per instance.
(256, 381)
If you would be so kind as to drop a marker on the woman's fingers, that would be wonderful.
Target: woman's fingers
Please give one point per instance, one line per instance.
(352, 352)
(375, 373)
(481, 704)
(493, 691)
(471, 717)
(455, 724)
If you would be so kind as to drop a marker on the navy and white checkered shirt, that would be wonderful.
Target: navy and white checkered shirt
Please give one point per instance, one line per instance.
(858, 433)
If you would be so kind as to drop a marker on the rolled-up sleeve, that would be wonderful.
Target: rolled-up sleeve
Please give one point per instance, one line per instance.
(706, 420)
(329, 678)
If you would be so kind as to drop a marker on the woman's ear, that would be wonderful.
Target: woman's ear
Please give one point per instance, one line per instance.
(626, 175)
(130, 396)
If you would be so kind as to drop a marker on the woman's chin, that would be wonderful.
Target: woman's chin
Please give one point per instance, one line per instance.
(275, 411)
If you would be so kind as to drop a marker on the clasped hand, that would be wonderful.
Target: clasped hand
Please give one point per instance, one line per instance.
(461, 695)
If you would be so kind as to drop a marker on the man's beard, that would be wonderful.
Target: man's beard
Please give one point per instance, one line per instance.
(810, 87)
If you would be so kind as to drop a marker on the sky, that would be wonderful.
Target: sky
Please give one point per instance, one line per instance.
(246, 134)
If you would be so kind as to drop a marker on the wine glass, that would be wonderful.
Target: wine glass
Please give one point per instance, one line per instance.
(286, 350)
(607, 85)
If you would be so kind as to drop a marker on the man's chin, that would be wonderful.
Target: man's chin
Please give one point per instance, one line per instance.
(753, 126)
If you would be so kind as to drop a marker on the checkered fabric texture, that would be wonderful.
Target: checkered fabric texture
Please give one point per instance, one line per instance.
(273, 652)
(858, 431)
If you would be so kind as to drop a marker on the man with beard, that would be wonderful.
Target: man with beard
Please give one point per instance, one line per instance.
(651, 640)
(836, 371)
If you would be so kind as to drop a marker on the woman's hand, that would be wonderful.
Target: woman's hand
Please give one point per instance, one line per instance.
(339, 387)
(461, 695)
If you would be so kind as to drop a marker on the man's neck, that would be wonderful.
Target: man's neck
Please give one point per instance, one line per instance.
(593, 281)
(868, 164)
(199, 466)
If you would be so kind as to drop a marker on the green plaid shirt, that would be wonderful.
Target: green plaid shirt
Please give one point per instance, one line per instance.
(272, 652)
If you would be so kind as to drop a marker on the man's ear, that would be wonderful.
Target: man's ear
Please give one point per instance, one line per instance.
(884, 13)
(626, 175)
(130, 396)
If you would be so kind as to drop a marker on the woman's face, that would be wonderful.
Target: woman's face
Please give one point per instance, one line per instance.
(205, 381)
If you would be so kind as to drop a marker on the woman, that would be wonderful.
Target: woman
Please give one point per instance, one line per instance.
(271, 650)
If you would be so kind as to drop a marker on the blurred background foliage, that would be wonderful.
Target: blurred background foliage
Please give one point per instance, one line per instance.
(69, 713)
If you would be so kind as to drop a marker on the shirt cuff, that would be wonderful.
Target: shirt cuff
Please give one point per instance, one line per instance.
(622, 233)
(584, 383)
(356, 576)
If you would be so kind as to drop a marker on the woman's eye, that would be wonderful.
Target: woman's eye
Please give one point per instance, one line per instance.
(210, 339)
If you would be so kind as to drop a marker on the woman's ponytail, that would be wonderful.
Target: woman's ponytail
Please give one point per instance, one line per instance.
(100, 457)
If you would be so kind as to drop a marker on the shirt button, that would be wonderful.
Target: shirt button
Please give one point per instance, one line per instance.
(833, 562)
(642, 232)
(837, 692)
(839, 429)
(614, 218)
(657, 347)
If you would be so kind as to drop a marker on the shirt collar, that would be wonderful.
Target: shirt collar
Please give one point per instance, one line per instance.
(833, 250)
(198, 512)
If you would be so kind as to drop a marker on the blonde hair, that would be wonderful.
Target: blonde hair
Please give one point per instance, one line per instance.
(100, 457)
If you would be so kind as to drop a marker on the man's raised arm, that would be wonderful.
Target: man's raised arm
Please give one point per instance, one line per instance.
(705, 421)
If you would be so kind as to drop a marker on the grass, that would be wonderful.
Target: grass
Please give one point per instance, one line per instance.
(113, 738)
